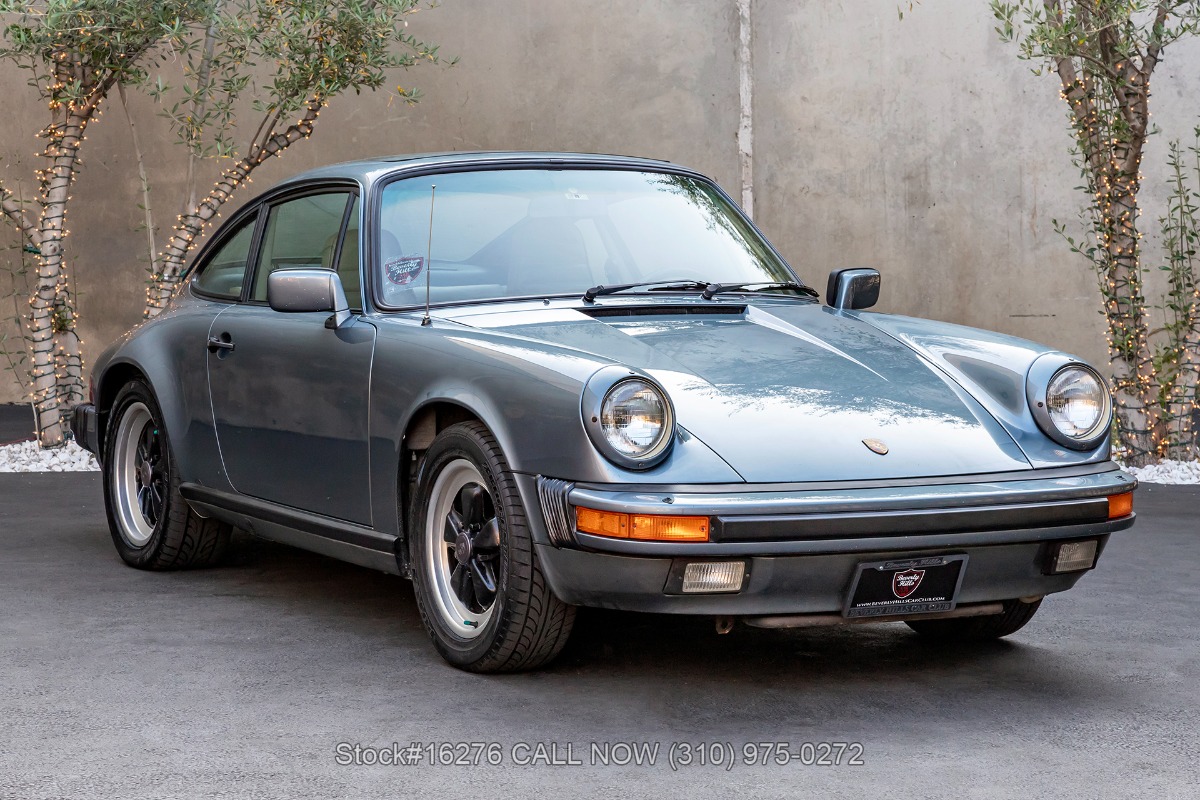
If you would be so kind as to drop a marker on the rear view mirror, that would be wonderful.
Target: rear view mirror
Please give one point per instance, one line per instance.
(853, 288)
(306, 290)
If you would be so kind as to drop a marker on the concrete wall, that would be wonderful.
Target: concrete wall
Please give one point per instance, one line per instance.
(921, 147)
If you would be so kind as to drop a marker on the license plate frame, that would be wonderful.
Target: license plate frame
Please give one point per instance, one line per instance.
(938, 580)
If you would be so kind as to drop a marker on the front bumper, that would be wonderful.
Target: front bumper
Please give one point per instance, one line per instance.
(85, 427)
(802, 545)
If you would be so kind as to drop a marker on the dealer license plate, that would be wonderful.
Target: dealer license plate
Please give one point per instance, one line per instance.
(913, 586)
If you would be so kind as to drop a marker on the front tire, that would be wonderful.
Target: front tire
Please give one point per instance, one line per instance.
(151, 524)
(978, 629)
(481, 592)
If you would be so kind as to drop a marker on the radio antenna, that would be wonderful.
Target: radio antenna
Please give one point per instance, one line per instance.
(429, 254)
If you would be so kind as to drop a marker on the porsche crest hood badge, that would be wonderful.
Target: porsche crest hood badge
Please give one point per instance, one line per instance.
(876, 446)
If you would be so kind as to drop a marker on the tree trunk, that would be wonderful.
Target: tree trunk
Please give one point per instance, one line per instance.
(1111, 164)
(1139, 423)
(51, 320)
(172, 263)
(69, 364)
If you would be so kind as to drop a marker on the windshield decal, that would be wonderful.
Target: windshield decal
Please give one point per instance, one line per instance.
(404, 270)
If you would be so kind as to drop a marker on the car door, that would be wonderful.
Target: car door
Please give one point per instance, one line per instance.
(290, 396)
(214, 285)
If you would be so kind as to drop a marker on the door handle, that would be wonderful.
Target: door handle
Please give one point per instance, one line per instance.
(223, 342)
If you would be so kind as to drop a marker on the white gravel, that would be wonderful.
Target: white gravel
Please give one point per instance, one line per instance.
(28, 457)
(1167, 472)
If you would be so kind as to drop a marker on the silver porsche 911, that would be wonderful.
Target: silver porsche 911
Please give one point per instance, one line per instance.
(533, 382)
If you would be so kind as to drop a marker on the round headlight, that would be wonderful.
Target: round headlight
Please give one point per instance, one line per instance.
(1069, 400)
(628, 417)
(1077, 403)
(635, 419)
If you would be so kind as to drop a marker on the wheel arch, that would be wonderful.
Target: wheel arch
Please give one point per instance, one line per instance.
(111, 381)
(168, 393)
(426, 421)
(168, 353)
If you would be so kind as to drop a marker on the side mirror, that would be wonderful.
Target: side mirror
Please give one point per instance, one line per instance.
(307, 290)
(853, 288)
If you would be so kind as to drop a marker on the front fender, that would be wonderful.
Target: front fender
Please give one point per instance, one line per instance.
(993, 367)
(527, 393)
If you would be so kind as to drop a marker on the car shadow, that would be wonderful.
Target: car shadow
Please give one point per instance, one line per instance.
(655, 649)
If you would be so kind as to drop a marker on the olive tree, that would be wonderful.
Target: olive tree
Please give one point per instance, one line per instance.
(264, 68)
(254, 84)
(75, 52)
(1104, 53)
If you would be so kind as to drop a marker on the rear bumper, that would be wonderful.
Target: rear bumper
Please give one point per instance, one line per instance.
(802, 548)
(85, 427)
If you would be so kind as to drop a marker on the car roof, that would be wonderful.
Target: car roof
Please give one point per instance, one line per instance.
(369, 170)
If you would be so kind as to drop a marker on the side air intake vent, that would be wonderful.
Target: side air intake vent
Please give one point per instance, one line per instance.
(560, 522)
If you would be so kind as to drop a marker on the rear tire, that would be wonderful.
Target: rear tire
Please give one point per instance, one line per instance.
(482, 595)
(978, 629)
(152, 525)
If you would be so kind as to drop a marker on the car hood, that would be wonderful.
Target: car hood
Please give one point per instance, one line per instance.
(786, 391)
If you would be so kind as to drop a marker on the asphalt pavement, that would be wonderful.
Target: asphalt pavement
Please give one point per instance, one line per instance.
(259, 679)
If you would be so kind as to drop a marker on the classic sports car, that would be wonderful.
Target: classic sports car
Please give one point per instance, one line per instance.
(532, 382)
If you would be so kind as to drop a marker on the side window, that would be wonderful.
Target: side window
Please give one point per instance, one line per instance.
(300, 233)
(347, 264)
(223, 273)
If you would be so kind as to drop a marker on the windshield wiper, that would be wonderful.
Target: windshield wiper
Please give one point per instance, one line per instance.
(710, 289)
(660, 286)
(714, 289)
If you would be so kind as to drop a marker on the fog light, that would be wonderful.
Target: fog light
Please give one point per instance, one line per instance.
(713, 576)
(1073, 557)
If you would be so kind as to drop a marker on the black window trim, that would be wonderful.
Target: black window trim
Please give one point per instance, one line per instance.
(297, 192)
(229, 230)
(256, 208)
(356, 303)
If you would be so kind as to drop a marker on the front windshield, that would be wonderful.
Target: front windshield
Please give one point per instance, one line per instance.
(536, 232)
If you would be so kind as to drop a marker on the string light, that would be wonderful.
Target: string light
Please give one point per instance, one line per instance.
(190, 226)
(74, 88)
(1110, 120)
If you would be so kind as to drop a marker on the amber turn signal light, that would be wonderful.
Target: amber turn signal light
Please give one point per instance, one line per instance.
(602, 523)
(1120, 505)
(647, 527)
